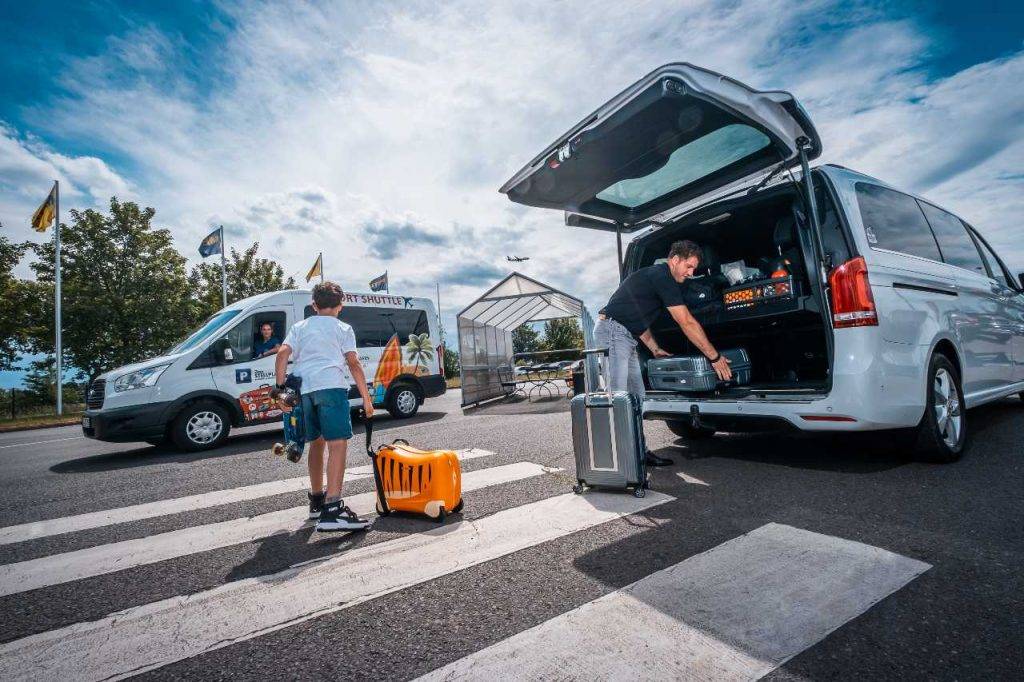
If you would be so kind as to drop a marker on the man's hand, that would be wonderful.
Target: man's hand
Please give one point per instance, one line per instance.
(285, 407)
(722, 368)
(662, 353)
(368, 409)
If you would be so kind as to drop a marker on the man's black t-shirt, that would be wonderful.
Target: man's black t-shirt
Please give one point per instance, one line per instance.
(641, 297)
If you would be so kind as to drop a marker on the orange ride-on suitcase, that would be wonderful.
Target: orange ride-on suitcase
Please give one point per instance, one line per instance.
(408, 479)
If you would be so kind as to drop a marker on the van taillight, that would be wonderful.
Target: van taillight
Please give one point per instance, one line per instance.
(852, 302)
(440, 357)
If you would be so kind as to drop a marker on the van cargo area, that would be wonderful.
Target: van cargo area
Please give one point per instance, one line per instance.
(785, 332)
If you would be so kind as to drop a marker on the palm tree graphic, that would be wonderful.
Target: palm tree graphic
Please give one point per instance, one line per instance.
(419, 349)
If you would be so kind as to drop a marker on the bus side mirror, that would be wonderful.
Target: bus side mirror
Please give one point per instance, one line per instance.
(223, 352)
(1020, 277)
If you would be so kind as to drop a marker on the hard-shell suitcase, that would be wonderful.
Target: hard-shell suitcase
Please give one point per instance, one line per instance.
(694, 374)
(408, 479)
(608, 437)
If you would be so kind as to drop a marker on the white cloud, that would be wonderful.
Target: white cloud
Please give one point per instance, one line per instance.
(328, 123)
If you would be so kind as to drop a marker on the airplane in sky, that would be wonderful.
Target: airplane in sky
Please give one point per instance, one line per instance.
(516, 259)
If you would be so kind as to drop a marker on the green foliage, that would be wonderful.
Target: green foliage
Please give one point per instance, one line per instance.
(452, 366)
(563, 333)
(248, 275)
(41, 385)
(525, 339)
(419, 350)
(18, 300)
(125, 294)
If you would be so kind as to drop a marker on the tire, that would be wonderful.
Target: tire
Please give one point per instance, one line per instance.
(942, 433)
(683, 429)
(200, 426)
(403, 401)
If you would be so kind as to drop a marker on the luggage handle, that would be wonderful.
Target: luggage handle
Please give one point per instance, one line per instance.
(378, 484)
(588, 380)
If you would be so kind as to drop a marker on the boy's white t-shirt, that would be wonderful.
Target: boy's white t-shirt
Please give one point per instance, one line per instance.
(319, 344)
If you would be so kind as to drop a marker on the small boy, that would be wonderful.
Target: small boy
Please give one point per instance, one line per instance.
(324, 350)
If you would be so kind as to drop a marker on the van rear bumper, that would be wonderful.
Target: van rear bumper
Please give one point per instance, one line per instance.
(127, 424)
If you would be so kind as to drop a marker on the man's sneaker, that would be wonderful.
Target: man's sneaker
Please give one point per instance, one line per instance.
(336, 516)
(316, 504)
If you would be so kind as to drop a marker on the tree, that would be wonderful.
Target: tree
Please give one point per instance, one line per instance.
(563, 333)
(452, 367)
(525, 339)
(125, 294)
(20, 305)
(247, 276)
(418, 349)
(41, 385)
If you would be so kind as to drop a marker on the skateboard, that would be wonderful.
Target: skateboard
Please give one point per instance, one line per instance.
(294, 426)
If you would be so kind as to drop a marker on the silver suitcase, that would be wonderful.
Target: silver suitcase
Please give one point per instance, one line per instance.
(694, 374)
(608, 437)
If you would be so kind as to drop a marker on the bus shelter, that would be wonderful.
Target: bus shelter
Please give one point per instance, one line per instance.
(485, 332)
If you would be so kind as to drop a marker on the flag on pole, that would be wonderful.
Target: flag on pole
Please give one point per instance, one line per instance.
(43, 217)
(317, 269)
(379, 283)
(211, 244)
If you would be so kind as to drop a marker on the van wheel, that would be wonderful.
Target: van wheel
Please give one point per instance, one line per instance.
(403, 402)
(684, 429)
(200, 426)
(942, 433)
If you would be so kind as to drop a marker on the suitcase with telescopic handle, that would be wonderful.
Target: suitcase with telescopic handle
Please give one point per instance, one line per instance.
(608, 435)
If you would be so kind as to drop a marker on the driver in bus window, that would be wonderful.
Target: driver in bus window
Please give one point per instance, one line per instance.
(268, 343)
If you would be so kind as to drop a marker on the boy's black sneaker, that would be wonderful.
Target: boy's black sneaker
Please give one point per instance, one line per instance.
(316, 504)
(336, 516)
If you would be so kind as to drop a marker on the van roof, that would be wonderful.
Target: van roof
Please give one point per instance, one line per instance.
(371, 298)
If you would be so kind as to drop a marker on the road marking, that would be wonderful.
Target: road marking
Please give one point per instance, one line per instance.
(735, 612)
(40, 442)
(690, 479)
(149, 510)
(153, 635)
(118, 556)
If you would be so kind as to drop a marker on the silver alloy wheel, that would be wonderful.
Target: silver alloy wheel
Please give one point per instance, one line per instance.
(406, 401)
(946, 402)
(204, 427)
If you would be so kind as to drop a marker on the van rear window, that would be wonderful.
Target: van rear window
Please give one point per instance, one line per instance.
(375, 326)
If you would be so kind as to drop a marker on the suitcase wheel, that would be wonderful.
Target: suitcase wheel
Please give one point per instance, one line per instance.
(458, 507)
(441, 515)
(578, 488)
(639, 491)
(380, 510)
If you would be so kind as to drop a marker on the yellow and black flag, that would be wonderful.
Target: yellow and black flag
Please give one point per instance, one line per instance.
(317, 269)
(212, 243)
(43, 217)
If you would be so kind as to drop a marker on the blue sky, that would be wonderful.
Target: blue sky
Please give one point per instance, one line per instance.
(379, 132)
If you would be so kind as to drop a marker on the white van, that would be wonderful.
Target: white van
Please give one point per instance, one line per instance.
(211, 382)
(863, 308)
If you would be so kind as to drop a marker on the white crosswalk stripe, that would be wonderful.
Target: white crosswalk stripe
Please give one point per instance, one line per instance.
(154, 635)
(735, 612)
(149, 510)
(119, 556)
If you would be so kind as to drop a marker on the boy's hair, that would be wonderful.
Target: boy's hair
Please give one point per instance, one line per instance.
(327, 295)
(685, 248)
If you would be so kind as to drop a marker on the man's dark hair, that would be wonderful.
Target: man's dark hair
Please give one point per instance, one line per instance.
(684, 248)
(327, 295)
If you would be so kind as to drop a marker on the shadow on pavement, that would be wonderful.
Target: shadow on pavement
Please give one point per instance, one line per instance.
(245, 441)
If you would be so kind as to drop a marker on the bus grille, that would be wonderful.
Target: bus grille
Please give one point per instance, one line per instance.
(94, 398)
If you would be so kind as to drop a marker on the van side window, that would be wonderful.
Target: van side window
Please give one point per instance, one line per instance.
(994, 264)
(957, 246)
(243, 337)
(374, 327)
(893, 221)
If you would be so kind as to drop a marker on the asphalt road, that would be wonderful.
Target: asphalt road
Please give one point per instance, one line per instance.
(959, 615)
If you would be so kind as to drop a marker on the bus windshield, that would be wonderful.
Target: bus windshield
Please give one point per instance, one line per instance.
(204, 332)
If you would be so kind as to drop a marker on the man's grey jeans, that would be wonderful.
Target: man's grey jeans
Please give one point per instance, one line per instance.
(623, 363)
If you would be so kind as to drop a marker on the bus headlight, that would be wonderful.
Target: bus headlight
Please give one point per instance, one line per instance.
(139, 379)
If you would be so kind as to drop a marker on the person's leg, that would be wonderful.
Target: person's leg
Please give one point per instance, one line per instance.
(336, 426)
(316, 466)
(620, 349)
(315, 458)
(635, 385)
(337, 454)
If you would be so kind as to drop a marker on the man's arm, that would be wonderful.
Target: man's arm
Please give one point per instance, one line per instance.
(657, 351)
(695, 333)
(352, 358)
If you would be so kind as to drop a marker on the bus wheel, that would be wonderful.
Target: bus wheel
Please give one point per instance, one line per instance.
(403, 402)
(200, 426)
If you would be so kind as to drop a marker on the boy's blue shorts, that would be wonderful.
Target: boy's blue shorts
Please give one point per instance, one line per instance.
(327, 413)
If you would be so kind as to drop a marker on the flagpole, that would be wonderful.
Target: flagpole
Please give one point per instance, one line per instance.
(321, 259)
(387, 284)
(439, 318)
(56, 238)
(223, 270)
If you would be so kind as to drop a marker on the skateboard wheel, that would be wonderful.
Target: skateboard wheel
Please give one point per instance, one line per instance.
(278, 449)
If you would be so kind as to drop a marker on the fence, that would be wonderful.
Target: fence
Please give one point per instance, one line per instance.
(16, 403)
